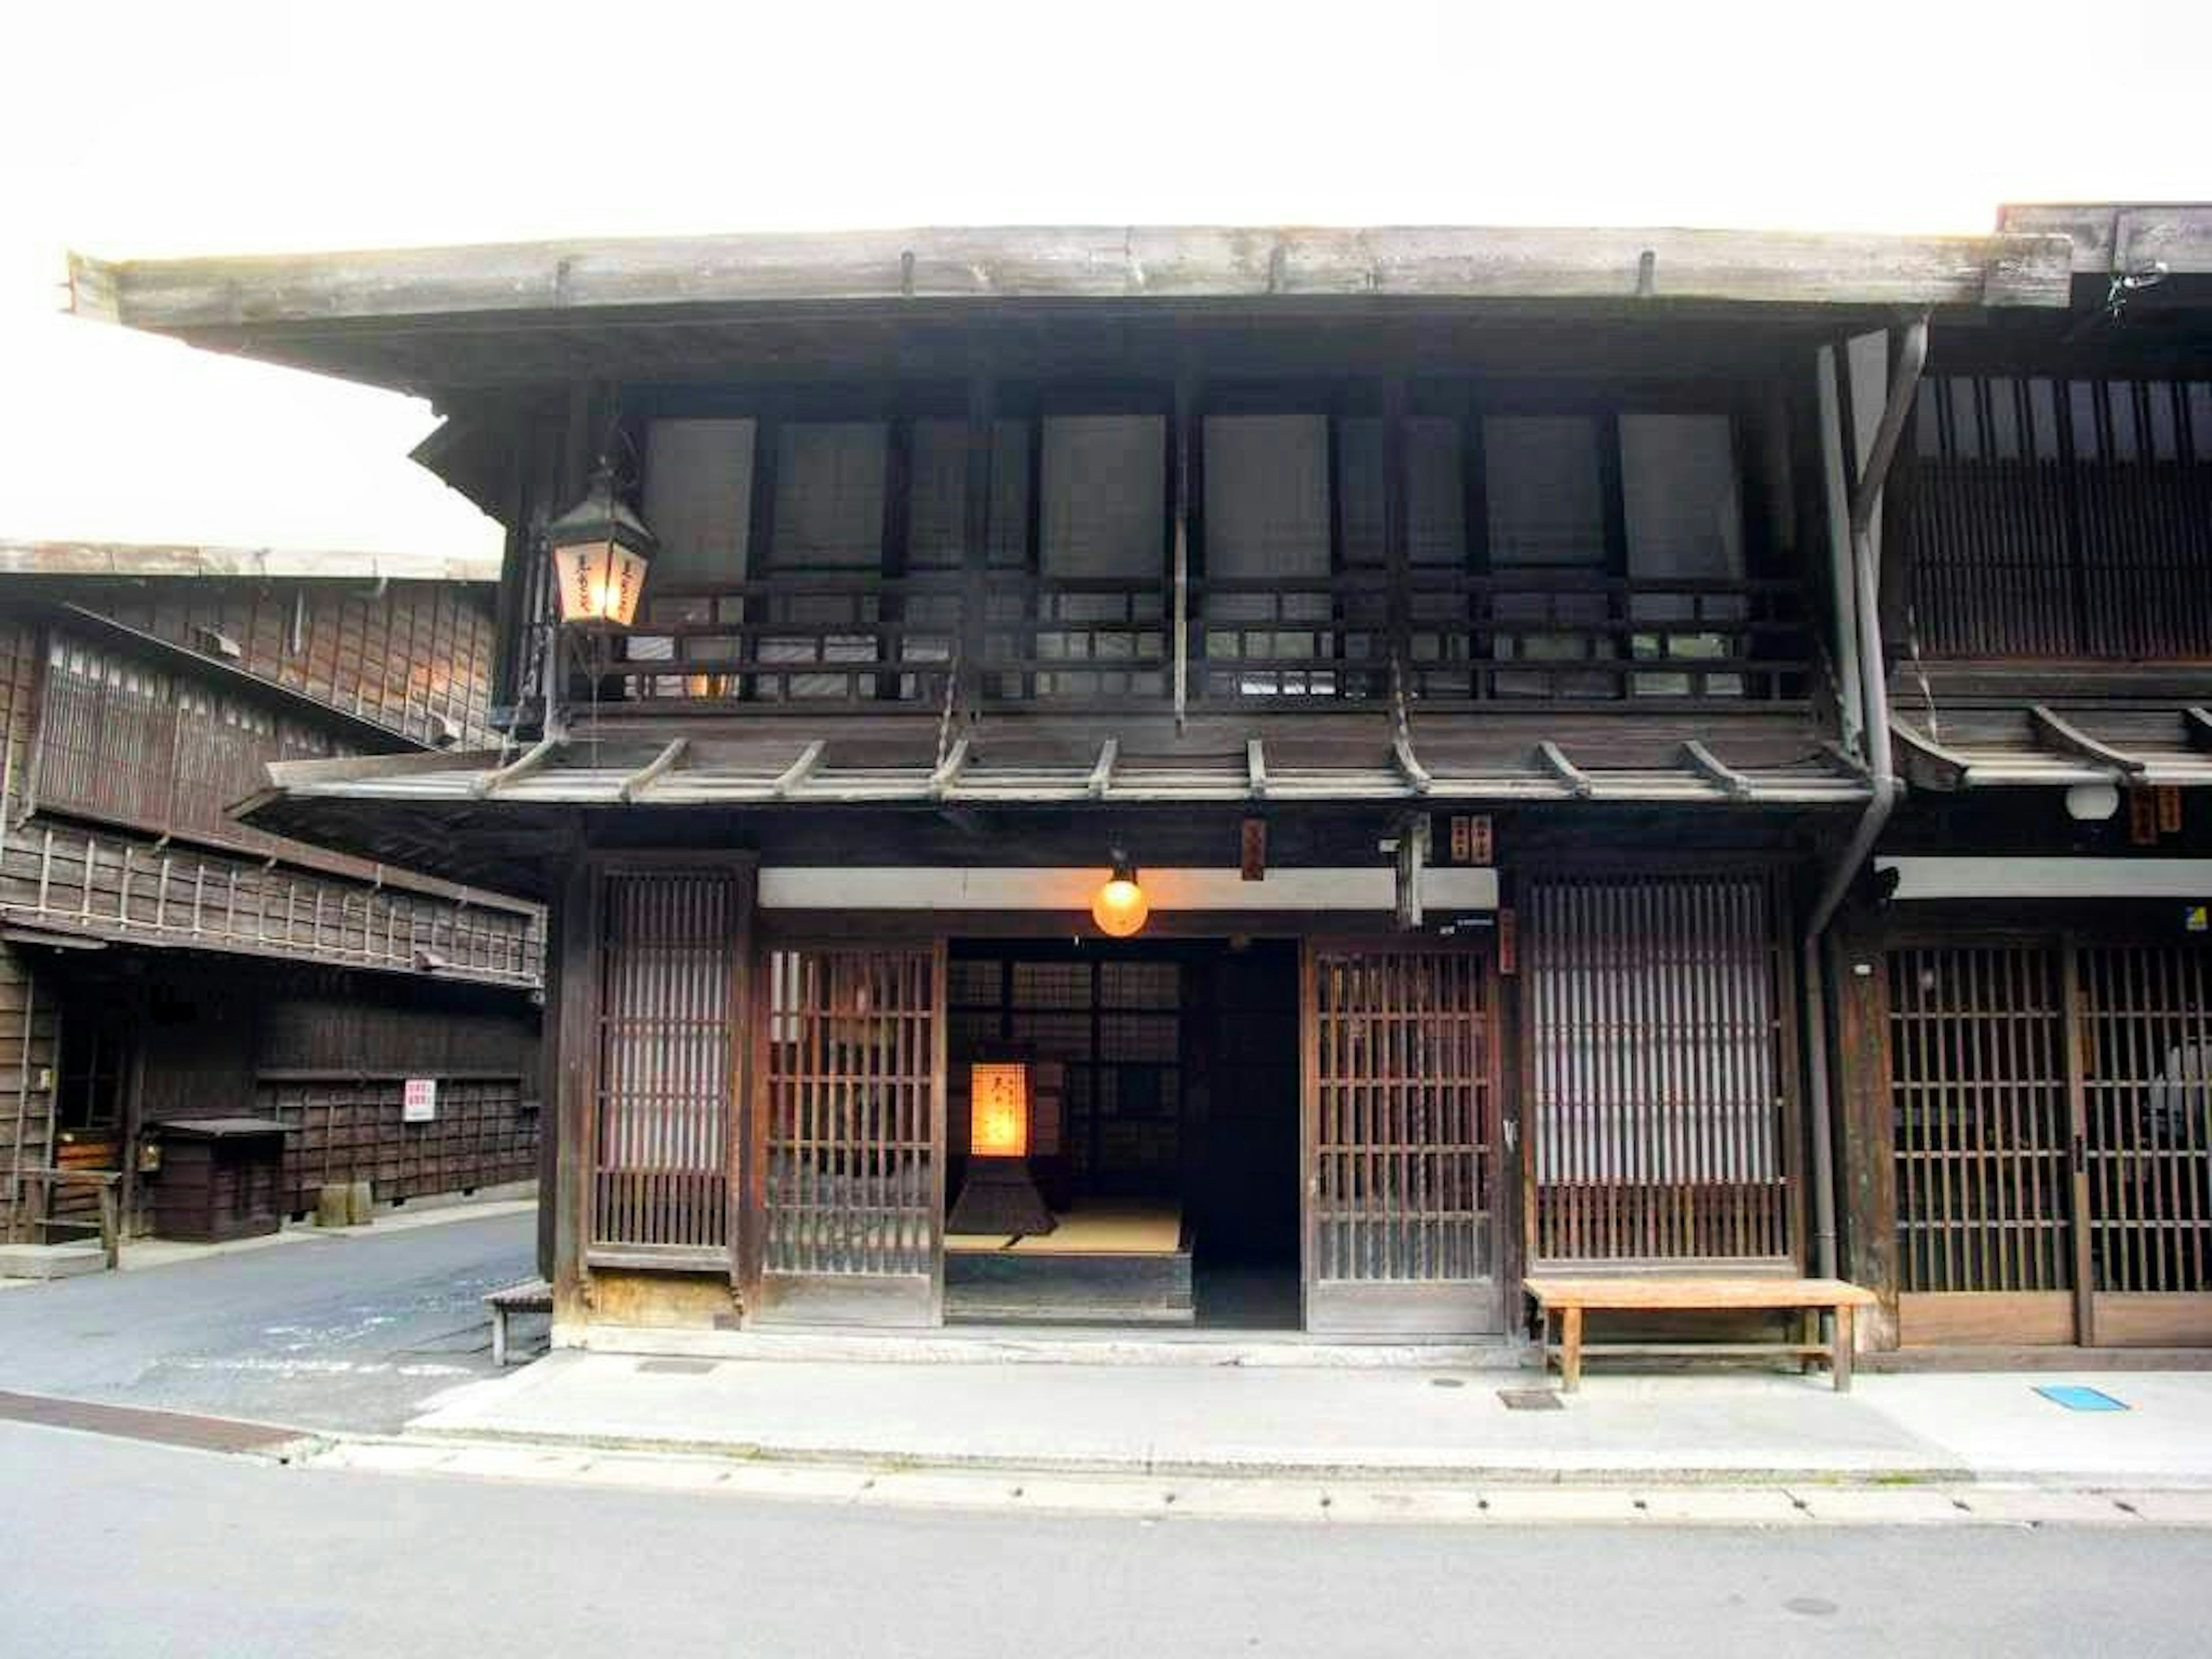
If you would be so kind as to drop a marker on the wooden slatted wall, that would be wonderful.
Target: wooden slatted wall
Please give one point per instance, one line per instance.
(1979, 1103)
(30, 1008)
(665, 1074)
(1660, 1068)
(1405, 1108)
(349, 1127)
(854, 1100)
(414, 656)
(128, 741)
(2056, 519)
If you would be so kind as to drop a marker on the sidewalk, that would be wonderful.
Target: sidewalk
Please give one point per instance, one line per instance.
(1399, 1427)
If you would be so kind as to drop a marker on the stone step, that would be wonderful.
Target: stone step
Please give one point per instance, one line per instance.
(50, 1261)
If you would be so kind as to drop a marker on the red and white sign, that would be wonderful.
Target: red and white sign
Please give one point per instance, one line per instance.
(419, 1103)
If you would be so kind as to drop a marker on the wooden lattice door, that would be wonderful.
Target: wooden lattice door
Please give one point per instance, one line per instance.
(1400, 1086)
(851, 1126)
(2052, 1110)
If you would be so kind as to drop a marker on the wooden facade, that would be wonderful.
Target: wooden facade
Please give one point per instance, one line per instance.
(1477, 639)
(142, 692)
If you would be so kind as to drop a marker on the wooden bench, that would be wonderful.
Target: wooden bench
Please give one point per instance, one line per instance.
(532, 1295)
(1694, 1294)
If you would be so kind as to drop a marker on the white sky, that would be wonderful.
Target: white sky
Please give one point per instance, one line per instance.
(141, 129)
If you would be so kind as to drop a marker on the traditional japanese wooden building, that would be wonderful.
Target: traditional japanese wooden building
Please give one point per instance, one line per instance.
(2027, 1008)
(221, 1018)
(1289, 778)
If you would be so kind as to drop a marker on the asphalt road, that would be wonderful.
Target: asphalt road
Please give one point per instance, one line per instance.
(117, 1547)
(349, 1332)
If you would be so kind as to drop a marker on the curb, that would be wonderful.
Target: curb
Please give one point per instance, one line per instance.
(1767, 1501)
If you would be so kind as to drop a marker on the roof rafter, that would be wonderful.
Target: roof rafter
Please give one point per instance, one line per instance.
(2069, 738)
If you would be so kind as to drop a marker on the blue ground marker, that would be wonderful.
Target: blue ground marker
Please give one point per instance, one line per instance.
(2075, 1398)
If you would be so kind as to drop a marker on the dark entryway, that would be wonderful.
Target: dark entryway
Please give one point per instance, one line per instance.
(1166, 1136)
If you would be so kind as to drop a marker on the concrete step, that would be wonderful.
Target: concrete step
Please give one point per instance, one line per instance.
(50, 1261)
(1050, 1345)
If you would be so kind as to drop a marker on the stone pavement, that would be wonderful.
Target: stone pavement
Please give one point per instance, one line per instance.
(1402, 1427)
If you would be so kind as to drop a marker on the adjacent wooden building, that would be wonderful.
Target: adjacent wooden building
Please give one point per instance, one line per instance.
(1497, 657)
(171, 978)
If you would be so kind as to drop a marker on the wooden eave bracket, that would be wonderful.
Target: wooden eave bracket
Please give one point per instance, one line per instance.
(799, 770)
(1715, 770)
(2069, 738)
(491, 782)
(1102, 773)
(1401, 736)
(1928, 764)
(1255, 767)
(948, 770)
(649, 773)
(1575, 780)
(2198, 724)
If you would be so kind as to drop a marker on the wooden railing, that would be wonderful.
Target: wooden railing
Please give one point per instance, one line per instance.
(75, 879)
(866, 641)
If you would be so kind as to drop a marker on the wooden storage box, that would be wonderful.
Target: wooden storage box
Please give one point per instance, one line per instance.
(220, 1177)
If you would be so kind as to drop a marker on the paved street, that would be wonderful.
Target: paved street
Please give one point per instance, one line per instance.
(352, 1331)
(133, 1549)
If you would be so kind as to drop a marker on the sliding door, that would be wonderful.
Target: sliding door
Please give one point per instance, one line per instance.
(1402, 1212)
(851, 1124)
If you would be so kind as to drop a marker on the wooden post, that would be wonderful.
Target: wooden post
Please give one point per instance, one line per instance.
(1570, 1348)
(975, 536)
(574, 930)
(1839, 1356)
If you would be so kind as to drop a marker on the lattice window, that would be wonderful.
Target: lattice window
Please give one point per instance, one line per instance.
(1662, 1105)
(666, 1078)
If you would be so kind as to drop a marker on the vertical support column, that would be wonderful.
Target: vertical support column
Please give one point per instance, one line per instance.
(570, 1070)
(1396, 534)
(1868, 1199)
(742, 1230)
(1185, 436)
(975, 536)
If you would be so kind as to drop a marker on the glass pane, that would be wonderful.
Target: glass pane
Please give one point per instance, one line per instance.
(1266, 521)
(1685, 521)
(1105, 496)
(1547, 505)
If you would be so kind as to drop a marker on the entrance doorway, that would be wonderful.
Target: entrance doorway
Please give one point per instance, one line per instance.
(1163, 1105)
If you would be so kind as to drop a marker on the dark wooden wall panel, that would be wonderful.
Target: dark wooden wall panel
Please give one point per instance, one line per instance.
(414, 656)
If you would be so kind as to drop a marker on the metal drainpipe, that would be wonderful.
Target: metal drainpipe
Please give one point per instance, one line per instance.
(1881, 771)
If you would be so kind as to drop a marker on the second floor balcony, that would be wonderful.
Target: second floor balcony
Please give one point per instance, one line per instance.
(1264, 549)
(1440, 639)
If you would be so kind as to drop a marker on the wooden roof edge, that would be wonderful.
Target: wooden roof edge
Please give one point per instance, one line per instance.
(146, 560)
(2113, 238)
(234, 295)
